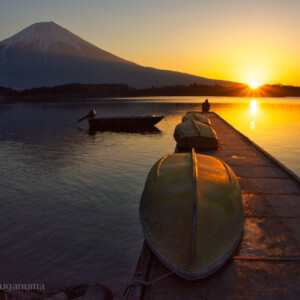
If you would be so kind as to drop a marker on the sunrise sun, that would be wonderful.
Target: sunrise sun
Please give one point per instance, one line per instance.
(254, 84)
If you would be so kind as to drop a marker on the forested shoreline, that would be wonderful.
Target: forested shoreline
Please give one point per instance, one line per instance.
(122, 90)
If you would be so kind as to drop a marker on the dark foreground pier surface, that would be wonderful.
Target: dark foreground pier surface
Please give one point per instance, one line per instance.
(266, 264)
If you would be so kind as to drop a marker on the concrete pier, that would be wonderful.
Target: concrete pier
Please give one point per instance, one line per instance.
(266, 264)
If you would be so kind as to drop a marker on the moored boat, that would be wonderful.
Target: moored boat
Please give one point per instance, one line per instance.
(196, 116)
(124, 122)
(124, 129)
(192, 134)
(191, 213)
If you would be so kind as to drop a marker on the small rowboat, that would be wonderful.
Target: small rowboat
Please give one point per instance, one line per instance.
(192, 134)
(137, 130)
(196, 116)
(191, 213)
(124, 122)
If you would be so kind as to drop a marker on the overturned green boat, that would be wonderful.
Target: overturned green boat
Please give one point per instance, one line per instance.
(191, 213)
(193, 134)
(196, 116)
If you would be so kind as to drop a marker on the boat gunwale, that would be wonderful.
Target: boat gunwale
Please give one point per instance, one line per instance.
(192, 275)
(194, 122)
(146, 117)
(197, 112)
(160, 163)
(180, 271)
(195, 200)
(211, 139)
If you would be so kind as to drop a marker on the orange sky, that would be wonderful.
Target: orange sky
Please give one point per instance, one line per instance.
(231, 40)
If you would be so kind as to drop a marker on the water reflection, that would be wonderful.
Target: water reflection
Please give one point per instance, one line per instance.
(253, 112)
(275, 127)
(253, 107)
(85, 189)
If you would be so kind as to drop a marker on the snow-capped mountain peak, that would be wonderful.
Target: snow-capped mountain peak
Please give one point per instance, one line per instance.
(46, 54)
(48, 37)
(43, 35)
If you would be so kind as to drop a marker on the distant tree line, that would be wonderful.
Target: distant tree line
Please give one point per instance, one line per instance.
(81, 90)
(8, 92)
(122, 90)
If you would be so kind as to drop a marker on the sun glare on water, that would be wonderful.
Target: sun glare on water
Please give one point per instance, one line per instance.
(253, 112)
(253, 107)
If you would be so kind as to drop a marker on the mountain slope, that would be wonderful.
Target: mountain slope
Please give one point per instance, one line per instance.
(45, 54)
(49, 38)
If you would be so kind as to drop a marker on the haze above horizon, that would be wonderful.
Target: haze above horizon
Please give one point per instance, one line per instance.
(231, 40)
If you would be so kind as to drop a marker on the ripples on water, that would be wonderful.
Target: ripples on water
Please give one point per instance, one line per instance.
(69, 200)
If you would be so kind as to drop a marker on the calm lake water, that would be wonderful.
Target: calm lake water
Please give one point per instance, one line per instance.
(69, 200)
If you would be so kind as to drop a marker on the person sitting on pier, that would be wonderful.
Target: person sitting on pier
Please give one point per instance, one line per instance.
(205, 106)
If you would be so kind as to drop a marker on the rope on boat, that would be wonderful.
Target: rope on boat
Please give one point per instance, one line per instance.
(143, 283)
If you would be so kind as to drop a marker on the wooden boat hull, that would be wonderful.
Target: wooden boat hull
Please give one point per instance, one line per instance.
(192, 134)
(191, 213)
(124, 122)
(136, 130)
(196, 116)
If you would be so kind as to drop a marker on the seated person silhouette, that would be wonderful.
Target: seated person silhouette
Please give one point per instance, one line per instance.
(205, 106)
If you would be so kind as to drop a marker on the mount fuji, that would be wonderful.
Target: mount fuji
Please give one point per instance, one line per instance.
(46, 54)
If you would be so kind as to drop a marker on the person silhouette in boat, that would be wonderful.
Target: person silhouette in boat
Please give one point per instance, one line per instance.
(90, 115)
(205, 106)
